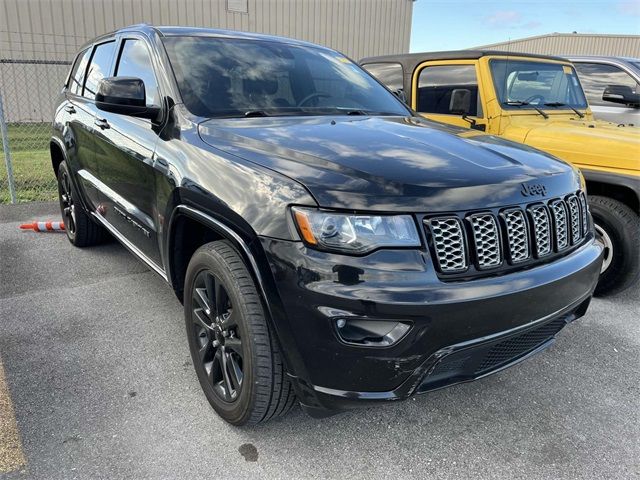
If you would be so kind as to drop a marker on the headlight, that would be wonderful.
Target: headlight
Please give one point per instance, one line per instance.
(355, 233)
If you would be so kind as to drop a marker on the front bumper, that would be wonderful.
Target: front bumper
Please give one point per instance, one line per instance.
(460, 330)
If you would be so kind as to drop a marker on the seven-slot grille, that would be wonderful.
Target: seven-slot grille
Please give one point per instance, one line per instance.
(583, 212)
(516, 224)
(574, 218)
(542, 229)
(559, 214)
(486, 239)
(448, 240)
(517, 234)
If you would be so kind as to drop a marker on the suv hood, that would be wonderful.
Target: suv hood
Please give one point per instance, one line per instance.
(586, 143)
(391, 163)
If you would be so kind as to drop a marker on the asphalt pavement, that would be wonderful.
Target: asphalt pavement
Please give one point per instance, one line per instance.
(101, 384)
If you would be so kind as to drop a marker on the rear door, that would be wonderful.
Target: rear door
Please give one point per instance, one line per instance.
(99, 67)
(124, 154)
(595, 77)
(433, 86)
(77, 116)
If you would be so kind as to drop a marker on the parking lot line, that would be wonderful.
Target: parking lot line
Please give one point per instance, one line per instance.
(11, 454)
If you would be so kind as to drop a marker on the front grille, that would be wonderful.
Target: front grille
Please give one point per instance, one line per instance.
(486, 240)
(584, 210)
(517, 236)
(574, 218)
(559, 213)
(542, 229)
(448, 240)
(513, 236)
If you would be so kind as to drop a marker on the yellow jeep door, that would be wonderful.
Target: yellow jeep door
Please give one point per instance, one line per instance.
(447, 91)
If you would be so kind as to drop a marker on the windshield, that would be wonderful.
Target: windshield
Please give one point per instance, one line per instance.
(223, 77)
(528, 84)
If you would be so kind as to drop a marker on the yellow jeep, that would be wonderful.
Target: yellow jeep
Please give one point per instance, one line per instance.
(538, 101)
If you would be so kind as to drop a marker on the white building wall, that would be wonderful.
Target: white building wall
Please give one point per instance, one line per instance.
(357, 28)
(44, 34)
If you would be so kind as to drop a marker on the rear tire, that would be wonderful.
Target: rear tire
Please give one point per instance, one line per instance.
(618, 229)
(234, 351)
(81, 230)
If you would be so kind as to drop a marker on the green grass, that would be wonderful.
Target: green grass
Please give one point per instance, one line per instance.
(34, 179)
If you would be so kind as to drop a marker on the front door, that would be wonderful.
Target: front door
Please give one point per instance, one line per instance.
(124, 151)
(437, 89)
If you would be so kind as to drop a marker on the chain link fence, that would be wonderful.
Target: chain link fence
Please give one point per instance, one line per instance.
(32, 73)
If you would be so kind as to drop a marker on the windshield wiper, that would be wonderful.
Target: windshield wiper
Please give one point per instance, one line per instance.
(349, 111)
(286, 111)
(560, 104)
(521, 103)
(255, 113)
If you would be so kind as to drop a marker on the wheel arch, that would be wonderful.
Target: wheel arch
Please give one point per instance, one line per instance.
(204, 228)
(619, 192)
(624, 188)
(58, 154)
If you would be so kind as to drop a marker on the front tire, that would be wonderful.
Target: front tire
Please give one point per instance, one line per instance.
(234, 352)
(618, 229)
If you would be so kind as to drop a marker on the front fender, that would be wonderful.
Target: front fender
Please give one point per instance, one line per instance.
(251, 250)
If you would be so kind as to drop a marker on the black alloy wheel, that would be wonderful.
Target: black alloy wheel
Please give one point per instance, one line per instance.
(67, 206)
(81, 229)
(233, 348)
(217, 337)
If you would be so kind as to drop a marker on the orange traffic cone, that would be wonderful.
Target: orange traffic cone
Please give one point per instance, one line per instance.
(43, 226)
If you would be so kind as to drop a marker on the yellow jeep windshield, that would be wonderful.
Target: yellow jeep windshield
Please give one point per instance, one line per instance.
(531, 84)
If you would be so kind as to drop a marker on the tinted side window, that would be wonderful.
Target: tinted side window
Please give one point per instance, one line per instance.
(595, 78)
(98, 68)
(135, 61)
(435, 85)
(388, 73)
(76, 79)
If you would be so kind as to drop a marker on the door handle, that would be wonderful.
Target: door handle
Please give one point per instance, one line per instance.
(70, 109)
(102, 123)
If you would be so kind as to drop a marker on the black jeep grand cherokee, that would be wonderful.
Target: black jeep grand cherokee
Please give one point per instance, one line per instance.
(329, 246)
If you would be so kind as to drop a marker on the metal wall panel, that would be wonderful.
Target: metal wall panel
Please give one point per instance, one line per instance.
(42, 34)
(56, 28)
(573, 44)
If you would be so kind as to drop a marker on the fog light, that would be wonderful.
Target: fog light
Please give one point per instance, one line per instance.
(370, 333)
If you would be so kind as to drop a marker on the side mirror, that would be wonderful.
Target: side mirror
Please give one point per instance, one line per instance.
(460, 103)
(621, 94)
(126, 96)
